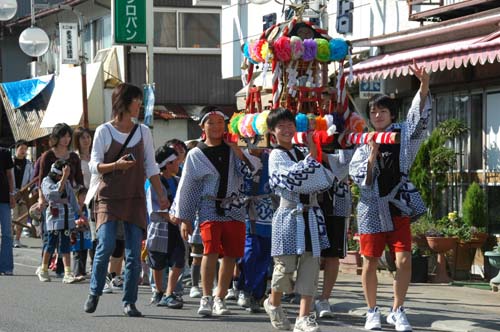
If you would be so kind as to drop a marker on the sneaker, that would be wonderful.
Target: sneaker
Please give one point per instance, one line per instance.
(254, 306)
(117, 283)
(323, 308)
(68, 279)
(220, 307)
(108, 288)
(170, 302)
(17, 244)
(231, 294)
(43, 276)
(244, 300)
(399, 321)
(38, 269)
(373, 319)
(306, 324)
(156, 298)
(91, 303)
(195, 292)
(277, 316)
(205, 308)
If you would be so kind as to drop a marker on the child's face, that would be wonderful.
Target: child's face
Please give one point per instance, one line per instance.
(172, 167)
(284, 131)
(380, 118)
(214, 126)
(81, 199)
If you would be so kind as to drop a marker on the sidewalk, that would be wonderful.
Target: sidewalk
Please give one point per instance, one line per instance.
(430, 307)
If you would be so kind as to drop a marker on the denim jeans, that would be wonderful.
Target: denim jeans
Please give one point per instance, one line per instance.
(6, 251)
(106, 236)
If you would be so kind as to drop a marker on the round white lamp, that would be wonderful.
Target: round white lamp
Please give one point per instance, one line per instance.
(8, 9)
(34, 42)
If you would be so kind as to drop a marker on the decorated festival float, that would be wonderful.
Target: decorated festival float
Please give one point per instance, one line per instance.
(297, 54)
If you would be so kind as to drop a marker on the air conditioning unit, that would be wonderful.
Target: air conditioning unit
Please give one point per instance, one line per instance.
(211, 3)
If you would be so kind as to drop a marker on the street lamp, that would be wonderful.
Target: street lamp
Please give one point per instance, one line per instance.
(8, 9)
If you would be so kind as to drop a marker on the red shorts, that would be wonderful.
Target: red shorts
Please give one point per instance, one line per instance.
(399, 240)
(226, 238)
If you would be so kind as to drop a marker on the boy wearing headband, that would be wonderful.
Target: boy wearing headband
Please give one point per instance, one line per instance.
(59, 220)
(164, 243)
(211, 188)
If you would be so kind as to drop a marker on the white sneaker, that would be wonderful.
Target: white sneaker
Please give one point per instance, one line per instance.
(17, 244)
(323, 308)
(399, 321)
(68, 279)
(231, 294)
(243, 300)
(278, 318)
(195, 292)
(306, 324)
(43, 276)
(220, 307)
(108, 287)
(38, 269)
(205, 308)
(373, 319)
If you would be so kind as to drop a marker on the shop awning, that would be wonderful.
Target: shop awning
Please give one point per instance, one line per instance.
(66, 102)
(25, 103)
(447, 56)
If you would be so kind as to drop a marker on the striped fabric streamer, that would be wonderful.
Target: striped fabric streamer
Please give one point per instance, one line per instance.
(377, 137)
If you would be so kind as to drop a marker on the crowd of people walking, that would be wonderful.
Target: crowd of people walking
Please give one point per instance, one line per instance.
(254, 223)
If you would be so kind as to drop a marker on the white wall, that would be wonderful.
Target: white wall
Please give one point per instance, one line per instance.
(165, 130)
(370, 18)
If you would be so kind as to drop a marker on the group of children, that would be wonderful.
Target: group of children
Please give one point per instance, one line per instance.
(287, 207)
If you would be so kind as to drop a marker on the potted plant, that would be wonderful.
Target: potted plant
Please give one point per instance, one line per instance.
(419, 265)
(494, 260)
(474, 214)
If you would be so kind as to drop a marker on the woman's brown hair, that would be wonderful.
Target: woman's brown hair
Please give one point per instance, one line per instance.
(122, 97)
(76, 137)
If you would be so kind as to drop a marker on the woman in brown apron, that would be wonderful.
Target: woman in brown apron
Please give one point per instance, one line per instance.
(122, 158)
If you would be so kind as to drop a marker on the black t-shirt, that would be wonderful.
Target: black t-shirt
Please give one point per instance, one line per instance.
(390, 175)
(6, 163)
(19, 167)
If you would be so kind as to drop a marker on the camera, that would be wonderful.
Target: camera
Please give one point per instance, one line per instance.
(130, 157)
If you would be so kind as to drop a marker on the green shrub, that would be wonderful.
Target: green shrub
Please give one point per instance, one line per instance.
(474, 208)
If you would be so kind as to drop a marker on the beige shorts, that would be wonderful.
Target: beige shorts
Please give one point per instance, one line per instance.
(307, 268)
(18, 211)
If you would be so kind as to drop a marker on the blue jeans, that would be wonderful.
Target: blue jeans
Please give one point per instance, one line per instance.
(6, 251)
(106, 236)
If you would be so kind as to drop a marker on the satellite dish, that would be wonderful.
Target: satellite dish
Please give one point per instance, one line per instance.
(34, 42)
(259, 2)
(8, 9)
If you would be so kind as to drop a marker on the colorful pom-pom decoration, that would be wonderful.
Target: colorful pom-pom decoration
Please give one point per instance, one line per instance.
(233, 123)
(320, 123)
(355, 123)
(246, 53)
(323, 53)
(310, 50)
(301, 122)
(297, 48)
(239, 125)
(265, 52)
(249, 125)
(283, 49)
(338, 49)
(257, 50)
(261, 123)
(329, 120)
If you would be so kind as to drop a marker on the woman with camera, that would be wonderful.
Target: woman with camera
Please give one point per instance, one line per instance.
(122, 158)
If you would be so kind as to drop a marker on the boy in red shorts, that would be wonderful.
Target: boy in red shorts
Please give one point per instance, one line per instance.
(388, 200)
(210, 189)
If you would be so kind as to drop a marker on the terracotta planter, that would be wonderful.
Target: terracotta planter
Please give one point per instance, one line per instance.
(441, 245)
(478, 240)
(420, 241)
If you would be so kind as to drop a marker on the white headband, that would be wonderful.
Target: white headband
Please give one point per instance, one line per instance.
(53, 169)
(205, 117)
(170, 158)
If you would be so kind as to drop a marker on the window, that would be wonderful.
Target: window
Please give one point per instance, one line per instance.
(102, 33)
(187, 30)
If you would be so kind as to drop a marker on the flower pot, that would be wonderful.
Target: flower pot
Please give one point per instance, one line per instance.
(461, 260)
(419, 269)
(440, 245)
(494, 259)
(478, 240)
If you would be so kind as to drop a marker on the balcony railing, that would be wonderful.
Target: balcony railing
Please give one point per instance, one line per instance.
(442, 10)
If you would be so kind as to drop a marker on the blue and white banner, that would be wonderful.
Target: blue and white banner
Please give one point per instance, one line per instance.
(149, 103)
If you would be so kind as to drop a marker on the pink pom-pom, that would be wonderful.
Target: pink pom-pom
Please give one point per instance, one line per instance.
(258, 50)
(297, 48)
(283, 49)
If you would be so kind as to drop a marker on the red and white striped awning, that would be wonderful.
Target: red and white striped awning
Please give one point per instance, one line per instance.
(447, 56)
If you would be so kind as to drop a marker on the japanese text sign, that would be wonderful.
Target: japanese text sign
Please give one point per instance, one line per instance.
(129, 22)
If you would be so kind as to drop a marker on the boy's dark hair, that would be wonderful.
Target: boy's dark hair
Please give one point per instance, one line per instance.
(163, 153)
(122, 97)
(382, 101)
(20, 142)
(207, 109)
(60, 130)
(176, 142)
(59, 165)
(277, 115)
(81, 190)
